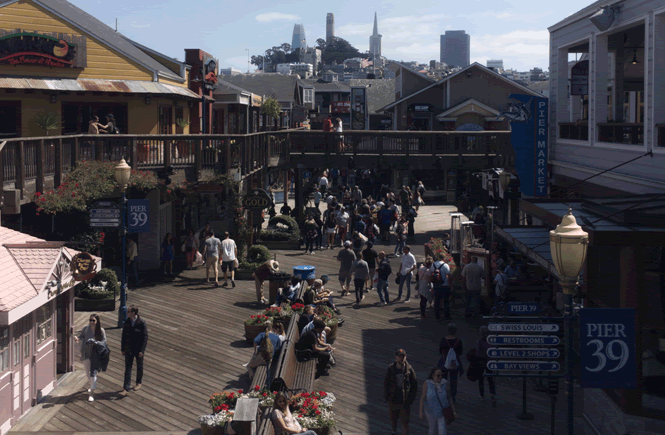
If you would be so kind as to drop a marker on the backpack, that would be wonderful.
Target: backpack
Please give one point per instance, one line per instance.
(451, 359)
(437, 277)
(385, 269)
(265, 348)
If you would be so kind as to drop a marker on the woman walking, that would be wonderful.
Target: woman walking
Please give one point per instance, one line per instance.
(424, 286)
(310, 235)
(400, 234)
(91, 336)
(434, 400)
(449, 342)
(191, 247)
(481, 356)
(168, 254)
(331, 224)
(416, 200)
(282, 419)
(337, 128)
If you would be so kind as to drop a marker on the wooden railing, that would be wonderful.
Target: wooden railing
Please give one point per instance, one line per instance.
(36, 158)
(621, 133)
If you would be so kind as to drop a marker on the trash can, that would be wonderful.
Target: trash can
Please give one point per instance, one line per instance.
(277, 281)
(305, 273)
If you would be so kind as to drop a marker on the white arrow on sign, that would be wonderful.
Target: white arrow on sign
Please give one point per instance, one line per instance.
(106, 220)
(523, 327)
(104, 224)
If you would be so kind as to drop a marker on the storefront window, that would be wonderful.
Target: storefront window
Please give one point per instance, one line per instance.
(165, 120)
(76, 116)
(4, 348)
(179, 114)
(17, 352)
(44, 323)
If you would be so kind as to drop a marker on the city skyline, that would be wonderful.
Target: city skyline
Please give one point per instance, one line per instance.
(500, 31)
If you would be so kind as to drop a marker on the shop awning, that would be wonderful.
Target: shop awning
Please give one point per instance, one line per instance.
(97, 85)
(532, 242)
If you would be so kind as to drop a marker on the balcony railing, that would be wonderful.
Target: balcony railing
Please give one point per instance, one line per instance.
(574, 131)
(27, 159)
(621, 133)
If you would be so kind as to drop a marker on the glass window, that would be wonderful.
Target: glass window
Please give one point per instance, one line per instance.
(26, 345)
(44, 323)
(4, 348)
(17, 352)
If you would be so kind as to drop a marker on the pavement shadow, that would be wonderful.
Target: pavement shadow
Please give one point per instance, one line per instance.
(240, 344)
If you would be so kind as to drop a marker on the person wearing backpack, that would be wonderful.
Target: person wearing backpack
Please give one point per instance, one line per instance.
(481, 357)
(450, 362)
(383, 272)
(265, 345)
(440, 279)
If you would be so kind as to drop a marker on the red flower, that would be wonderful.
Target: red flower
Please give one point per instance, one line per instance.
(257, 388)
(77, 185)
(239, 391)
(317, 412)
(224, 406)
(265, 394)
(231, 395)
(168, 191)
(38, 194)
(43, 199)
(73, 194)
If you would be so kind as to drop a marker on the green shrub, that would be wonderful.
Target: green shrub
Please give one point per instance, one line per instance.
(290, 223)
(92, 290)
(258, 254)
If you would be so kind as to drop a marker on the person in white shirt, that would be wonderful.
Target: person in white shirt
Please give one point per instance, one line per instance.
(406, 268)
(317, 198)
(473, 274)
(229, 256)
(323, 184)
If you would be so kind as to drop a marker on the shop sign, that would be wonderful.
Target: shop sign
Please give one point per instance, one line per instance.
(607, 347)
(257, 199)
(31, 48)
(529, 137)
(507, 352)
(523, 307)
(256, 100)
(340, 106)
(83, 266)
(524, 340)
(579, 78)
(523, 327)
(421, 108)
(299, 113)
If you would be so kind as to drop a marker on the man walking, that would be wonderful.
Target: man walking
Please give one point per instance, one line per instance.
(229, 255)
(211, 254)
(406, 268)
(383, 272)
(440, 279)
(346, 258)
(317, 198)
(133, 343)
(400, 388)
(261, 274)
(472, 274)
(323, 183)
(132, 257)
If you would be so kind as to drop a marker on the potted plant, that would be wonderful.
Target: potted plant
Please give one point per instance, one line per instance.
(255, 325)
(256, 256)
(280, 315)
(215, 424)
(297, 308)
(98, 294)
(312, 415)
(48, 121)
(282, 233)
(183, 146)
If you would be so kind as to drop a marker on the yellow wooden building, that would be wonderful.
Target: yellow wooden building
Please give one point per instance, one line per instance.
(57, 59)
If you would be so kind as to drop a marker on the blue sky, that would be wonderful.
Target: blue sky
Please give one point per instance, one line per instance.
(512, 30)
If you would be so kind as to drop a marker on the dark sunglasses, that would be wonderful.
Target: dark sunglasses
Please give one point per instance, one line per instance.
(93, 321)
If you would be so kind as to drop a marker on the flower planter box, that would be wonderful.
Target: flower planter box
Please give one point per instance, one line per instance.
(81, 304)
(252, 331)
(244, 274)
(279, 244)
(320, 430)
(213, 430)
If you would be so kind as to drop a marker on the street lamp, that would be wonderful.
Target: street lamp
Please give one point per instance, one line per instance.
(568, 245)
(122, 173)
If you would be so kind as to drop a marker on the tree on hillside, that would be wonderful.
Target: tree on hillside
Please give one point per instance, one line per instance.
(338, 50)
(275, 55)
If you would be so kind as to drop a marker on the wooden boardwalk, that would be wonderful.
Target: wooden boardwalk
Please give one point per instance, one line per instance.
(197, 347)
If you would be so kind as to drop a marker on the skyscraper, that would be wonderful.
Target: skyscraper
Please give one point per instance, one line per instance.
(330, 27)
(298, 41)
(456, 48)
(375, 40)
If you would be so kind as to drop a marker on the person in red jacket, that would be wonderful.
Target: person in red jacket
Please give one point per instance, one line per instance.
(327, 123)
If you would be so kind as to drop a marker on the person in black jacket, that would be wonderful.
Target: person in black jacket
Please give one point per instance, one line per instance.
(134, 341)
(400, 389)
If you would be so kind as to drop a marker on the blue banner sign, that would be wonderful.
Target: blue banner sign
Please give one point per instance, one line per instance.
(522, 353)
(529, 137)
(523, 307)
(536, 366)
(138, 215)
(524, 340)
(523, 327)
(607, 346)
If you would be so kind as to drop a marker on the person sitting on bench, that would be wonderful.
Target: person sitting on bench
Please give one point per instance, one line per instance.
(306, 317)
(317, 295)
(310, 341)
(288, 293)
(272, 331)
(283, 420)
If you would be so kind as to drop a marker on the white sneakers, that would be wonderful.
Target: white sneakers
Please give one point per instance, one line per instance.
(90, 398)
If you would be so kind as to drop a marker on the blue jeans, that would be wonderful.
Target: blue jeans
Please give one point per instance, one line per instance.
(382, 290)
(472, 302)
(399, 246)
(404, 279)
(442, 292)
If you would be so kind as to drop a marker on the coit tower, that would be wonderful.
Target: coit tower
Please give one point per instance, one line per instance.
(330, 27)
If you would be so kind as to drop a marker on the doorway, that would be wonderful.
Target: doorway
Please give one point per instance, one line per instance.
(22, 366)
(64, 361)
(10, 119)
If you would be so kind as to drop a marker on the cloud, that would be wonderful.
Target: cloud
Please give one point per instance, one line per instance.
(397, 27)
(519, 49)
(275, 16)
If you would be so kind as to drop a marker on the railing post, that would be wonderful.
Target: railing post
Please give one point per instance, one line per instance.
(226, 150)
(57, 177)
(198, 153)
(379, 145)
(76, 152)
(134, 151)
(41, 173)
(167, 153)
(20, 175)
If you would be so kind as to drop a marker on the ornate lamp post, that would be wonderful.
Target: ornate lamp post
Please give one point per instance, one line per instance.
(122, 173)
(568, 245)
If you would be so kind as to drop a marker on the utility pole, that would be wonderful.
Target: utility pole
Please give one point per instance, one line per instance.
(247, 50)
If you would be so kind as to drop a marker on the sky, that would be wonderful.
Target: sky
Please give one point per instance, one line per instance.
(512, 30)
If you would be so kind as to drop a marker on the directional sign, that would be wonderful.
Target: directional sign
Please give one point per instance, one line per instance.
(507, 352)
(523, 307)
(105, 214)
(537, 366)
(525, 340)
(523, 327)
(307, 174)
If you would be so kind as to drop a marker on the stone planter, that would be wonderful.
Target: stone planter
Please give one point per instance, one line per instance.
(81, 304)
(252, 331)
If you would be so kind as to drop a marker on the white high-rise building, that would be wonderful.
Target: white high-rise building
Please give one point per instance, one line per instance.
(497, 64)
(298, 41)
(375, 40)
(330, 27)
